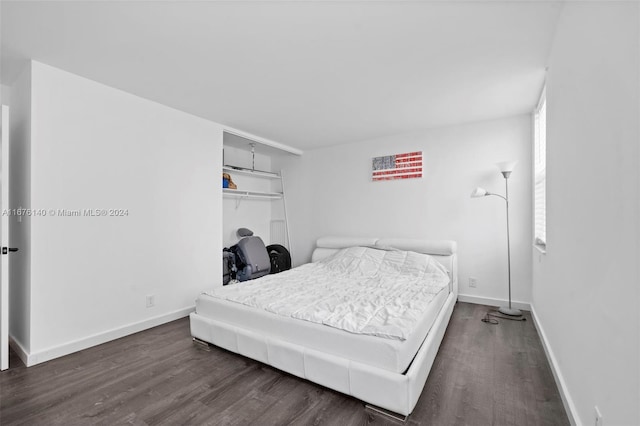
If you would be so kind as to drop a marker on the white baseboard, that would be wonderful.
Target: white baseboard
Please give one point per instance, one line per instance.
(569, 407)
(478, 300)
(18, 349)
(34, 358)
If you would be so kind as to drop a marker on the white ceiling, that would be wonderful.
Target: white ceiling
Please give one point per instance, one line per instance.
(306, 74)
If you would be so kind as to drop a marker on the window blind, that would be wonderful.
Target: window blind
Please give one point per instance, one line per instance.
(540, 172)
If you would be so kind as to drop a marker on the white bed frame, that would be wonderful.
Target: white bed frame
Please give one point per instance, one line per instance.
(391, 391)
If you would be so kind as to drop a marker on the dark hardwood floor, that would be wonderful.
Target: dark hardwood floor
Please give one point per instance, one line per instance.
(483, 375)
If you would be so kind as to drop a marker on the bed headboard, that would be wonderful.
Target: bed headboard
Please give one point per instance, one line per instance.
(444, 251)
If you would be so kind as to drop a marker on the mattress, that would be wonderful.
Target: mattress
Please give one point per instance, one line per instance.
(362, 290)
(389, 354)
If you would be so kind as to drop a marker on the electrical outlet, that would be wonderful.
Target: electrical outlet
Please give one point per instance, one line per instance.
(151, 301)
(473, 282)
(598, 417)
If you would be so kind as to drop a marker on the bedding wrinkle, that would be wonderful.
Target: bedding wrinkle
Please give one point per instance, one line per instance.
(361, 290)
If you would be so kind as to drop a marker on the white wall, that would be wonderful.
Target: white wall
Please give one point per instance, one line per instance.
(94, 147)
(332, 193)
(585, 292)
(5, 95)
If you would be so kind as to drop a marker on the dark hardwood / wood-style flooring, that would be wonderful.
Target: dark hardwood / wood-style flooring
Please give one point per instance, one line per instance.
(483, 375)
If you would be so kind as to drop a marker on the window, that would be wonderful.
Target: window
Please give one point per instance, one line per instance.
(540, 172)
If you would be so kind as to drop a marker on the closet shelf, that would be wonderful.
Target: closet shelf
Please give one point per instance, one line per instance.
(238, 193)
(243, 171)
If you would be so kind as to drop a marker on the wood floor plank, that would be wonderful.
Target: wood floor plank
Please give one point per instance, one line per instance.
(483, 375)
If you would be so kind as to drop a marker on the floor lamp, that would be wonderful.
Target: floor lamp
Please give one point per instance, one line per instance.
(506, 168)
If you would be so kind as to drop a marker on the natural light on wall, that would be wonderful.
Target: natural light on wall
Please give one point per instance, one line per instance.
(540, 173)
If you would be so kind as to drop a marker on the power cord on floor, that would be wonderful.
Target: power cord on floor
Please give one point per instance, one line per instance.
(491, 317)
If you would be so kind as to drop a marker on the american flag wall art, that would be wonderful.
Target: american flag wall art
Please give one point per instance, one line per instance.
(398, 166)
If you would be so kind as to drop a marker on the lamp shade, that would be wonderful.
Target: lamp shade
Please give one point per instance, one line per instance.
(479, 192)
(506, 166)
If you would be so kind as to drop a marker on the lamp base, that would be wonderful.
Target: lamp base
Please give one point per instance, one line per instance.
(510, 311)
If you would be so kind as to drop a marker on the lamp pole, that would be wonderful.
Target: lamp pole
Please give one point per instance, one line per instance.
(506, 189)
(509, 310)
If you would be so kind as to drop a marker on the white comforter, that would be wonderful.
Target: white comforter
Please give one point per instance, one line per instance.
(361, 290)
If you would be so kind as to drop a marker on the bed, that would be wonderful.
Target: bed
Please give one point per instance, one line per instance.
(359, 325)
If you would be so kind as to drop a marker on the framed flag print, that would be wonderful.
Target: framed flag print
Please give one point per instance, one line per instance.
(397, 166)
